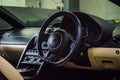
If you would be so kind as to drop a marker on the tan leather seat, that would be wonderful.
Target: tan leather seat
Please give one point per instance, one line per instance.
(9, 71)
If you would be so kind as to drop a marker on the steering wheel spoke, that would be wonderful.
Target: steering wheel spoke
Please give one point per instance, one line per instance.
(53, 57)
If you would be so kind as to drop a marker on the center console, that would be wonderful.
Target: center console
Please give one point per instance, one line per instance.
(30, 63)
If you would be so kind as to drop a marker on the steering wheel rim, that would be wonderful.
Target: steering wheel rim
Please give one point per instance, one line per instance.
(77, 40)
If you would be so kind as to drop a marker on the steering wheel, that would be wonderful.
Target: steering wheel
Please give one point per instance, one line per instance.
(61, 44)
(9, 71)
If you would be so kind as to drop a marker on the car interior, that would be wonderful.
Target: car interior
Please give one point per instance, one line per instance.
(60, 40)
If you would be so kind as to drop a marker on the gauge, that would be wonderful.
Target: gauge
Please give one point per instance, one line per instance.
(93, 35)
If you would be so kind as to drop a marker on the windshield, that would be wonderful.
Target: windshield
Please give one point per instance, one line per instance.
(32, 13)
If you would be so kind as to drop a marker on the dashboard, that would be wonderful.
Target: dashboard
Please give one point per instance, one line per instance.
(19, 45)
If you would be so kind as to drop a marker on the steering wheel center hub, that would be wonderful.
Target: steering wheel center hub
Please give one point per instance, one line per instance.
(54, 40)
(58, 40)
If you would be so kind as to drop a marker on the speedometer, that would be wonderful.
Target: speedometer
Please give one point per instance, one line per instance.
(93, 35)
